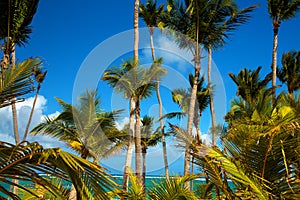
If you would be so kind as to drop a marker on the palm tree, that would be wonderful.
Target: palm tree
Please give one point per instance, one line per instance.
(136, 32)
(150, 138)
(39, 78)
(14, 30)
(280, 11)
(189, 25)
(116, 78)
(182, 98)
(142, 92)
(151, 16)
(135, 83)
(87, 129)
(224, 18)
(290, 71)
(258, 153)
(26, 162)
(249, 83)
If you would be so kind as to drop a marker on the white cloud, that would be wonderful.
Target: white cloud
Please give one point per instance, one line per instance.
(23, 112)
(171, 53)
(120, 125)
(206, 139)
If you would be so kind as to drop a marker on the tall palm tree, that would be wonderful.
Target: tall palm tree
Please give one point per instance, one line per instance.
(143, 91)
(135, 83)
(151, 16)
(280, 11)
(39, 78)
(87, 129)
(15, 28)
(290, 71)
(224, 18)
(249, 83)
(182, 98)
(136, 32)
(116, 78)
(188, 22)
(150, 138)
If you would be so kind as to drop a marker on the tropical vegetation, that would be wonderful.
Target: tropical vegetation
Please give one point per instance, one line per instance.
(257, 155)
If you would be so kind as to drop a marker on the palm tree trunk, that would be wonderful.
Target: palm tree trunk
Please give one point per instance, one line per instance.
(151, 31)
(211, 98)
(136, 31)
(73, 193)
(274, 60)
(31, 113)
(138, 159)
(15, 122)
(130, 146)
(13, 105)
(191, 113)
(193, 170)
(163, 138)
(144, 153)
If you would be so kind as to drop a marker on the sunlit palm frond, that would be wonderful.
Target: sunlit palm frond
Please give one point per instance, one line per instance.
(17, 82)
(173, 188)
(27, 160)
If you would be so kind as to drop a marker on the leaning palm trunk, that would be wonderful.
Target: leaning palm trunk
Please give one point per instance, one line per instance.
(191, 113)
(274, 60)
(31, 113)
(163, 138)
(211, 100)
(138, 159)
(130, 146)
(161, 123)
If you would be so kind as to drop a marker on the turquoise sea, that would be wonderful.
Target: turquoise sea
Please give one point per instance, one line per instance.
(118, 180)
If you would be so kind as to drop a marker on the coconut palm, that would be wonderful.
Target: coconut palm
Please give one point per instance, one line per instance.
(15, 28)
(151, 16)
(115, 77)
(26, 162)
(87, 129)
(249, 83)
(182, 98)
(290, 71)
(136, 32)
(135, 83)
(187, 24)
(280, 11)
(150, 138)
(144, 91)
(16, 17)
(39, 78)
(224, 19)
(258, 153)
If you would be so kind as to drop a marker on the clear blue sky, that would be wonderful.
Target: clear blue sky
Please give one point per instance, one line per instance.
(66, 31)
